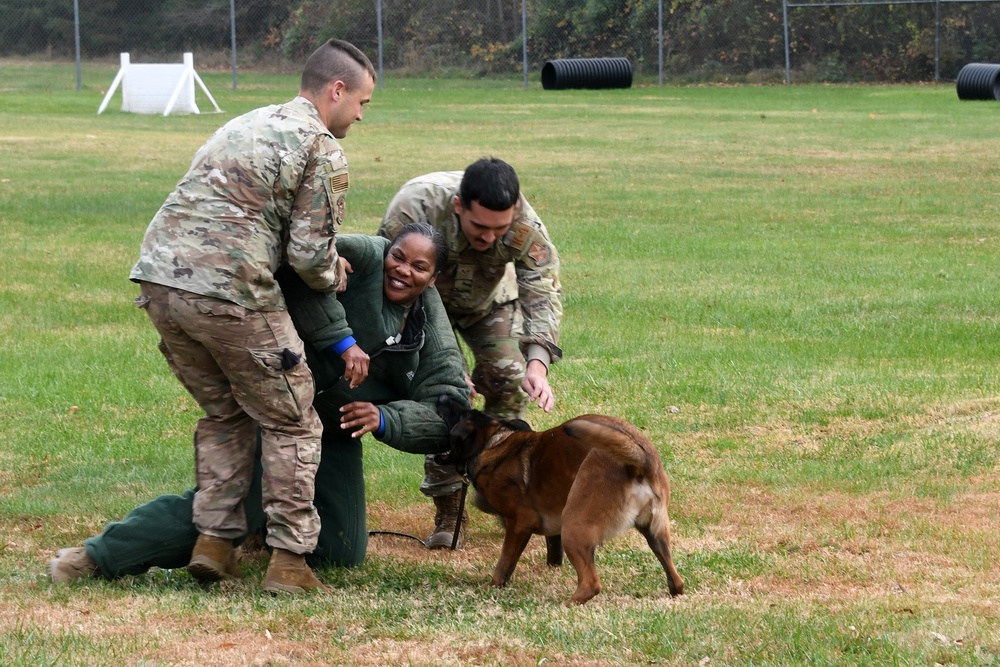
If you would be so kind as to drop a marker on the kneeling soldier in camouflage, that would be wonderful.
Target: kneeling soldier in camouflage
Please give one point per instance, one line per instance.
(502, 294)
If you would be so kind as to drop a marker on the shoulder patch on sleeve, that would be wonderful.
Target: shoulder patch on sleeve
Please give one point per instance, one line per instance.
(521, 233)
(340, 182)
(540, 253)
(340, 209)
(390, 228)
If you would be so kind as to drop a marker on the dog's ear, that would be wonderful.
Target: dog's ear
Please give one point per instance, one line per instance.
(518, 425)
(469, 436)
(451, 410)
(457, 417)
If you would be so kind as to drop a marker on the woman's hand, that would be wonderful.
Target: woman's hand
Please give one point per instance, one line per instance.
(362, 417)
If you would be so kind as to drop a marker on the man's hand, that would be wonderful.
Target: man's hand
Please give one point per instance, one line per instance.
(472, 386)
(536, 384)
(362, 416)
(356, 363)
(343, 268)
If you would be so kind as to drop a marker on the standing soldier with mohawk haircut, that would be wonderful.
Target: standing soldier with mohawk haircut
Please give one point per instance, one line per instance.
(502, 294)
(267, 189)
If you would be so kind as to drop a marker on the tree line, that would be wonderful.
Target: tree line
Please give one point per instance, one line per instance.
(702, 39)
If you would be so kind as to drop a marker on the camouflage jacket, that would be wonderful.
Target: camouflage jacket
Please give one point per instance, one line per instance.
(268, 188)
(522, 266)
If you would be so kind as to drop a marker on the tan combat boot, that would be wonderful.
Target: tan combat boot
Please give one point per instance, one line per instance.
(445, 520)
(288, 573)
(213, 559)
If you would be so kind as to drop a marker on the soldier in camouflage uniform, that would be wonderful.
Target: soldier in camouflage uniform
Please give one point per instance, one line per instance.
(267, 189)
(502, 295)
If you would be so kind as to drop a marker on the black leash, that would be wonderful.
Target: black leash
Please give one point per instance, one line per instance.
(392, 532)
(461, 513)
(458, 522)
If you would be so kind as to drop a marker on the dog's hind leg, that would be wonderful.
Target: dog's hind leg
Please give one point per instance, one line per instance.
(581, 555)
(514, 542)
(659, 542)
(553, 550)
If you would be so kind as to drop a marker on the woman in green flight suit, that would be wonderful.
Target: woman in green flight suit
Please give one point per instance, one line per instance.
(389, 310)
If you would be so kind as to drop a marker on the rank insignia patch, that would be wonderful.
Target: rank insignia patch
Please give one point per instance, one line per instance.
(340, 210)
(520, 236)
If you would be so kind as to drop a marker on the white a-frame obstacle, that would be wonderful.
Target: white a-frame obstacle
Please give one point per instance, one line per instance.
(157, 88)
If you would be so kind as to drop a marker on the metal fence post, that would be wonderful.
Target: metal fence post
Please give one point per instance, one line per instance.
(524, 41)
(378, 20)
(659, 35)
(232, 36)
(76, 34)
(937, 41)
(788, 62)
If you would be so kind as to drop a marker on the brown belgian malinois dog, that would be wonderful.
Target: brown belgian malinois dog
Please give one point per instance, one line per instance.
(578, 484)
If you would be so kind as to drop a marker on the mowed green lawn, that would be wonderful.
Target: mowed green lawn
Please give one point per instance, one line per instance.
(793, 291)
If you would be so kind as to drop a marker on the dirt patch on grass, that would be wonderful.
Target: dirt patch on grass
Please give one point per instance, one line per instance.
(254, 649)
(449, 651)
(839, 545)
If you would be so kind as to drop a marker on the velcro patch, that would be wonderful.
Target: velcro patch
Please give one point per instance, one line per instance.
(340, 182)
(340, 209)
(540, 253)
(521, 233)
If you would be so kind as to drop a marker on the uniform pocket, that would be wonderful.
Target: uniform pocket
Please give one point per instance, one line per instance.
(269, 360)
(222, 309)
(287, 391)
(308, 456)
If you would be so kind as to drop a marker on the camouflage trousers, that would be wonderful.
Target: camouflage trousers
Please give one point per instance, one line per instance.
(495, 344)
(244, 368)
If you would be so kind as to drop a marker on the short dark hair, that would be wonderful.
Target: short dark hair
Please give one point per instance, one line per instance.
(492, 183)
(336, 59)
(436, 237)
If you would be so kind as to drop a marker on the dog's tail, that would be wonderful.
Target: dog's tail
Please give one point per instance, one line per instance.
(618, 438)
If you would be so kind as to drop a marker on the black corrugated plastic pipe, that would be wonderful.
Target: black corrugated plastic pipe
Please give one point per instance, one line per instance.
(978, 81)
(587, 73)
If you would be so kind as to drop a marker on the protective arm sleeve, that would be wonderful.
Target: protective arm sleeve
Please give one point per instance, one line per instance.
(318, 317)
(413, 425)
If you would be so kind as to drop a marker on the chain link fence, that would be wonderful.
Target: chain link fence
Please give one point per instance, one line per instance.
(883, 41)
(675, 41)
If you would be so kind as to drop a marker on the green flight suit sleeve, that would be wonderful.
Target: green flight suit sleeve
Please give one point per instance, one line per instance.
(413, 425)
(319, 317)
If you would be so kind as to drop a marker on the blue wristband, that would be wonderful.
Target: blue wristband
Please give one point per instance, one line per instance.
(381, 425)
(343, 345)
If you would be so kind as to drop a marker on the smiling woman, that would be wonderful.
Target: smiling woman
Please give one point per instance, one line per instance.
(413, 262)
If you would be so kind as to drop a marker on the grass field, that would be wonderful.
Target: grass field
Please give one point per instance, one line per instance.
(793, 291)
